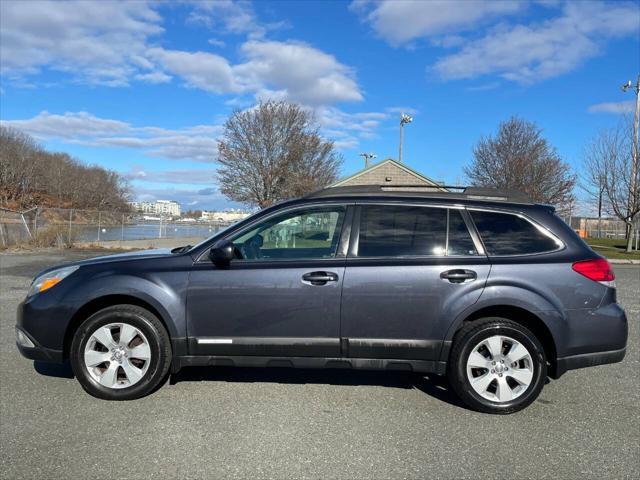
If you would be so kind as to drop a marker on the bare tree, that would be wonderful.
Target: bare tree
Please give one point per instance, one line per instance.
(274, 152)
(30, 175)
(609, 163)
(519, 158)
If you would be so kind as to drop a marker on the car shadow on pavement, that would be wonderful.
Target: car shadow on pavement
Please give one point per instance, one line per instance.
(431, 385)
(60, 370)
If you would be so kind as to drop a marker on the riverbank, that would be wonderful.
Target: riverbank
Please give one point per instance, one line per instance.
(140, 244)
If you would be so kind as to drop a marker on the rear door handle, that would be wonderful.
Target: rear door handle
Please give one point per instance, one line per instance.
(319, 278)
(458, 276)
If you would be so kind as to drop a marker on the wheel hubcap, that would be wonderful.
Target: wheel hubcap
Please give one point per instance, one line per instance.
(117, 355)
(500, 369)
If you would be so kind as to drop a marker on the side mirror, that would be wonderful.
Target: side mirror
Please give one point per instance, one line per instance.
(221, 255)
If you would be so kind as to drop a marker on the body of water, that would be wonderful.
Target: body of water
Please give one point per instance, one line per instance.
(93, 233)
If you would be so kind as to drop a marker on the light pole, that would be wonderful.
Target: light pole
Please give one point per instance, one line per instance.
(633, 194)
(404, 119)
(367, 157)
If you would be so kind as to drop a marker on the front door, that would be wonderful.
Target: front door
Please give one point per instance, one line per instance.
(410, 270)
(280, 296)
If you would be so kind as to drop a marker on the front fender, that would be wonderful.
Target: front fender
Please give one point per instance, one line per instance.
(167, 298)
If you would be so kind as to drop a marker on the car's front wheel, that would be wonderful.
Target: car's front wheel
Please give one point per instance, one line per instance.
(496, 366)
(122, 352)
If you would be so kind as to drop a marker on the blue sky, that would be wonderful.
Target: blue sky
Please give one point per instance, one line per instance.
(144, 87)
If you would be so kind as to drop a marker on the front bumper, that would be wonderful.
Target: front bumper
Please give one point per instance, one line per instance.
(32, 350)
(44, 337)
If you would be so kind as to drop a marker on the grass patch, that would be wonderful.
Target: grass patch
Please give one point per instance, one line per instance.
(612, 248)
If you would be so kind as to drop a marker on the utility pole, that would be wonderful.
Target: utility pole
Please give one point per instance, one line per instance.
(404, 119)
(600, 192)
(367, 157)
(633, 193)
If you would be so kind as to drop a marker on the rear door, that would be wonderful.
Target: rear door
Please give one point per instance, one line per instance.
(410, 270)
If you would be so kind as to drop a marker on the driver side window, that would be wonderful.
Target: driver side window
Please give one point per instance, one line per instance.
(301, 234)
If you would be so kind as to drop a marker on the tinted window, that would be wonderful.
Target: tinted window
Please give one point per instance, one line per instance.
(505, 234)
(460, 242)
(301, 234)
(401, 231)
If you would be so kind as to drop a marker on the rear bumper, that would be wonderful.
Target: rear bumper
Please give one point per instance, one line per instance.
(596, 337)
(588, 360)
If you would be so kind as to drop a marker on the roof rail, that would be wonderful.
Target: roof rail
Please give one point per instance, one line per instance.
(446, 191)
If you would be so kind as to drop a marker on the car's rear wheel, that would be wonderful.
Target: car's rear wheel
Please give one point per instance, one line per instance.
(496, 366)
(122, 352)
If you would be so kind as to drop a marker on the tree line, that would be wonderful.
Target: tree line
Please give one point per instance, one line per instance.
(30, 175)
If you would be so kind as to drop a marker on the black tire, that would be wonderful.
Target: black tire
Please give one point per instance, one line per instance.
(464, 342)
(159, 343)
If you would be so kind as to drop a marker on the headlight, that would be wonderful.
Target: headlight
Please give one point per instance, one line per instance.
(48, 280)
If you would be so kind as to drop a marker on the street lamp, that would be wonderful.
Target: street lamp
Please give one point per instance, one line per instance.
(634, 160)
(404, 119)
(367, 157)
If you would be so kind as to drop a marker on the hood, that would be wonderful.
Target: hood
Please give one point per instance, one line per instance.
(117, 257)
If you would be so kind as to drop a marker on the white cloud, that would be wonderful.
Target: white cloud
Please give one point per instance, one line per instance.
(98, 42)
(154, 77)
(197, 143)
(303, 73)
(186, 177)
(401, 21)
(68, 126)
(275, 70)
(203, 70)
(612, 107)
(347, 130)
(216, 42)
(229, 16)
(109, 43)
(530, 53)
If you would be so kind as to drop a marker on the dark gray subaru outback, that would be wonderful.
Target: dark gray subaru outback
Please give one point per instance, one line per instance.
(492, 291)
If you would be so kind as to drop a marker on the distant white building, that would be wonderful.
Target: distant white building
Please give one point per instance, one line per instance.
(223, 216)
(167, 208)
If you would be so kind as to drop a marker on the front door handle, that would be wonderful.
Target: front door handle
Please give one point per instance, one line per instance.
(319, 278)
(458, 276)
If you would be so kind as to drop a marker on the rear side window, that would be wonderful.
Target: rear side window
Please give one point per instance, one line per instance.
(387, 231)
(507, 234)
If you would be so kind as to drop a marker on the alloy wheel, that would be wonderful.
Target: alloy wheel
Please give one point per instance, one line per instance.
(117, 355)
(500, 368)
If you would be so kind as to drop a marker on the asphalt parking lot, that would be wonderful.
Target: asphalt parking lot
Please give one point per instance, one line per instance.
(276, 423)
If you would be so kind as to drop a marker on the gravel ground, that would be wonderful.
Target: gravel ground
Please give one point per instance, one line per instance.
(272, 423)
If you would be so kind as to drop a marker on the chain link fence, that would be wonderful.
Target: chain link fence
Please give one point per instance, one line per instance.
(62, 227)
(65, 227)
(593, 227)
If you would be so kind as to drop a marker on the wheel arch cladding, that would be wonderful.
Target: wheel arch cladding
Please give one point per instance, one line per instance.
(105, 301)
(525, 318)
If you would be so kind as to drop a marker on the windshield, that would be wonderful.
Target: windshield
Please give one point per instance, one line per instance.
(219, 232)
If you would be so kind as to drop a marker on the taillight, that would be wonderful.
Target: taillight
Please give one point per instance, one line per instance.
(597, 270)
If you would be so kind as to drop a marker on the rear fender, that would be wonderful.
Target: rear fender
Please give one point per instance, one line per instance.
(510, 296)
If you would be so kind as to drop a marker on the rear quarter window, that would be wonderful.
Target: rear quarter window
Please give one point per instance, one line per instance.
(508, 234)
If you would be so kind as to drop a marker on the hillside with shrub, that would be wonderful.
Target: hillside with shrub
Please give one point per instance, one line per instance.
(32, 176)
